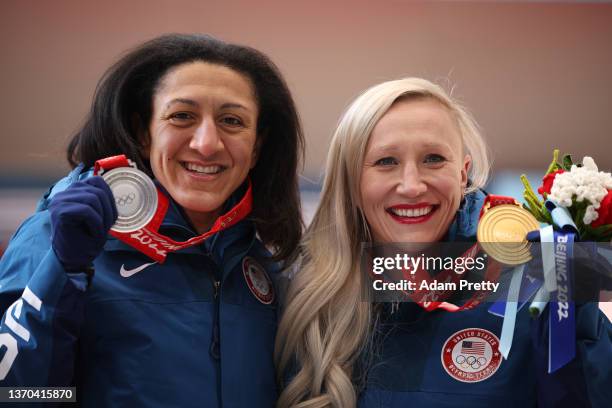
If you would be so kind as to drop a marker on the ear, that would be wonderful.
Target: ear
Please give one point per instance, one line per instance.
(467, 163)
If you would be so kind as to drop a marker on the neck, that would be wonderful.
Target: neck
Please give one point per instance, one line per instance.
(202, 222)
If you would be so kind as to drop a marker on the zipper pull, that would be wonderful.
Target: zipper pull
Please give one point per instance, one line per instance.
(216, 285)
(394, 307)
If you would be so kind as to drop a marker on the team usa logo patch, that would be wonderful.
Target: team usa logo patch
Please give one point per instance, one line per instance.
(257, 280)
(471, 355)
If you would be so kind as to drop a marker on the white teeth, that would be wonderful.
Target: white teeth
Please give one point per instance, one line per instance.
(202, 169)
(415, 212)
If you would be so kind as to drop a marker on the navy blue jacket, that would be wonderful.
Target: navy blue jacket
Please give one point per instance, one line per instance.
(186, 333)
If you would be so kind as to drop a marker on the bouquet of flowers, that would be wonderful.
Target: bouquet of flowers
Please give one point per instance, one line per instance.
(582, 189)
(576, 205)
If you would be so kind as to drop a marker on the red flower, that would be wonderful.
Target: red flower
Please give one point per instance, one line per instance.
(604, 211)
(547, 182)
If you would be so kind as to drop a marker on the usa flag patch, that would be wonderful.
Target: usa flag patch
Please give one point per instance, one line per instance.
(471, 355)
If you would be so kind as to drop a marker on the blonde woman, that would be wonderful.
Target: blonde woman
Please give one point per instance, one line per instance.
(407, 164)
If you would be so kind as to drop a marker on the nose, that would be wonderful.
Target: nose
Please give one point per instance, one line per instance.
(411, 183)
(206, 139)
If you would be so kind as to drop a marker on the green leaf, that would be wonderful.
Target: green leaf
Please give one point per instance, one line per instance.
(533, 209)
(601, 233)
(538, 211)
(578, 214)
(567, 162)
(554, 165)
(546, 215)
(528, 191)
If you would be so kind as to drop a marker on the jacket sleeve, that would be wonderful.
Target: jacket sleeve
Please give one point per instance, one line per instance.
(587, 380)
(42, 310)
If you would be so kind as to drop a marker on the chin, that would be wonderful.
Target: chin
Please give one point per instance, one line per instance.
(417, 240)
(194, 202)
(422, 236)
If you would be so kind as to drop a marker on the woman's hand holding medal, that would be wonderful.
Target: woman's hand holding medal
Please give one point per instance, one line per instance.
(81, 217)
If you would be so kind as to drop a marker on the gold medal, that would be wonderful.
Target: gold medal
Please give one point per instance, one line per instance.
(502, 232)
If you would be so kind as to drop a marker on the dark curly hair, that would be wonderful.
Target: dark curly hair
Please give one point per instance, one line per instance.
(123, 103)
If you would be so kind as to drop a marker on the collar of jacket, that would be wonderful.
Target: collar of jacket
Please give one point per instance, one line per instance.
(465, 224)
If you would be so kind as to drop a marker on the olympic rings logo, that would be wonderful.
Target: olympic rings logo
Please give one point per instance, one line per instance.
(471, 355)
(470, 361)
(126, 199)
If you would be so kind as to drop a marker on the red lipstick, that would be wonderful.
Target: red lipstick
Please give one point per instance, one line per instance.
(407, 219)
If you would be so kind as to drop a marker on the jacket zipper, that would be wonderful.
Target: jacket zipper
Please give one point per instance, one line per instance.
(216, 284)
(215, 343)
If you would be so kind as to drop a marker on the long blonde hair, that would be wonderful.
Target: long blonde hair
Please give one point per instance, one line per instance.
(327, 321)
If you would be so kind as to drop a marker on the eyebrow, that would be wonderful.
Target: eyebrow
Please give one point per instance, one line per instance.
(174, 101)
(437, 144)
(233, 105)
(384, 148)
(191, 102)
(393, 147)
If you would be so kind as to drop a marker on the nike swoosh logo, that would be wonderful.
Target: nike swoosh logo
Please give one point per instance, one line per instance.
(126, 273)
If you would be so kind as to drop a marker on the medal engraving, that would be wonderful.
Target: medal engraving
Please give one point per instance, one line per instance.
(502, 233)
(135, 198)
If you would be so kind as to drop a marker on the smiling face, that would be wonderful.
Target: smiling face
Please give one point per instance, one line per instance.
(414, 173)
(202, 136)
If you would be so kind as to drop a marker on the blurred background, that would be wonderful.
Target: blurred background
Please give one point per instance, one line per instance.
(536, 74)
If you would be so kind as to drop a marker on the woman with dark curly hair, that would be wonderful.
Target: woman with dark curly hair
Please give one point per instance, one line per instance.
(181, 312)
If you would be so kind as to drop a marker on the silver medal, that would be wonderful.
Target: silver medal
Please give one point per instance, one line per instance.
(135, 197)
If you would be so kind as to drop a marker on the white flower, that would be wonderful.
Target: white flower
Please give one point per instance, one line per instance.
(582, 183)
(589, 163)
(590, 215)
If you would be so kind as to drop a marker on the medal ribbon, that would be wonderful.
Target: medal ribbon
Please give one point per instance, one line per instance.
(547, 238)
(431, 300)
(519, 283)
(557, 255)
(155, 245)
(492, 273)
(557, 262)
(507, 332)
(561, 314)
